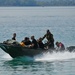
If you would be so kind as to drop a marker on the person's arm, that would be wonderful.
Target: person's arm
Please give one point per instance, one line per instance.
(44, 36)
(60, 46)
(31, 45)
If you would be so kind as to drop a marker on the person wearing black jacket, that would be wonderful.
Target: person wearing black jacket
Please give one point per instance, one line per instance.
(34, 43)
(14, 36)
(50, 39)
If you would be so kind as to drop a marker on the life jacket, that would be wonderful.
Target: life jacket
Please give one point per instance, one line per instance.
(22, 44)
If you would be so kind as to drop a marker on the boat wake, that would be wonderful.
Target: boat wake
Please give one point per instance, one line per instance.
(22, 58)
(7, 57)
(55, 56)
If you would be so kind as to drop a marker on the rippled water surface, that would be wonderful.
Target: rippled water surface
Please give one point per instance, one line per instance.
(27, 21)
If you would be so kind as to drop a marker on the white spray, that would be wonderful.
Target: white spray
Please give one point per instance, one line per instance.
(55, 56)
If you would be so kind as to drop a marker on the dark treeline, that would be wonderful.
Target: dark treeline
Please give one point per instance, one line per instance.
(37, 2)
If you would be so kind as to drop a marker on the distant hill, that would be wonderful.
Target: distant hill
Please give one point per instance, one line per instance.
(37, 2)
(56, 2)
(17, 3)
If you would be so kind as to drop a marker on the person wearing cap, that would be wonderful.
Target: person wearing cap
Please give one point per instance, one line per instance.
(50, 39)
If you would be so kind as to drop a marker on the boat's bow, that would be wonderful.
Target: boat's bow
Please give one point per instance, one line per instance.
(12, 50)
(3, 47)
(17, 50)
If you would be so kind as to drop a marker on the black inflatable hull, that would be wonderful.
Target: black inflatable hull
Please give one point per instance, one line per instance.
(17, 50)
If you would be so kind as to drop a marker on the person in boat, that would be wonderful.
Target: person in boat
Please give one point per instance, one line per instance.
(12, 41)
(34, 43)
(26, 42)
(14, 36)
(40, 43)
(60, 46)
(50, 39)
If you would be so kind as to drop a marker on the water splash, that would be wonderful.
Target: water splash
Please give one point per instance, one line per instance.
(22, 58)
(7, 57)
(59, 56)
(55, 56)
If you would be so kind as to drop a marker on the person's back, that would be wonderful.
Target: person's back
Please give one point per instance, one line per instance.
(14, 36)
(34, 43)
(26, 41)
(60, 46)
(40, 43)
(49, 37)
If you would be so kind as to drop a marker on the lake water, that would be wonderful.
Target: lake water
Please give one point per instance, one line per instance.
(28, 21)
